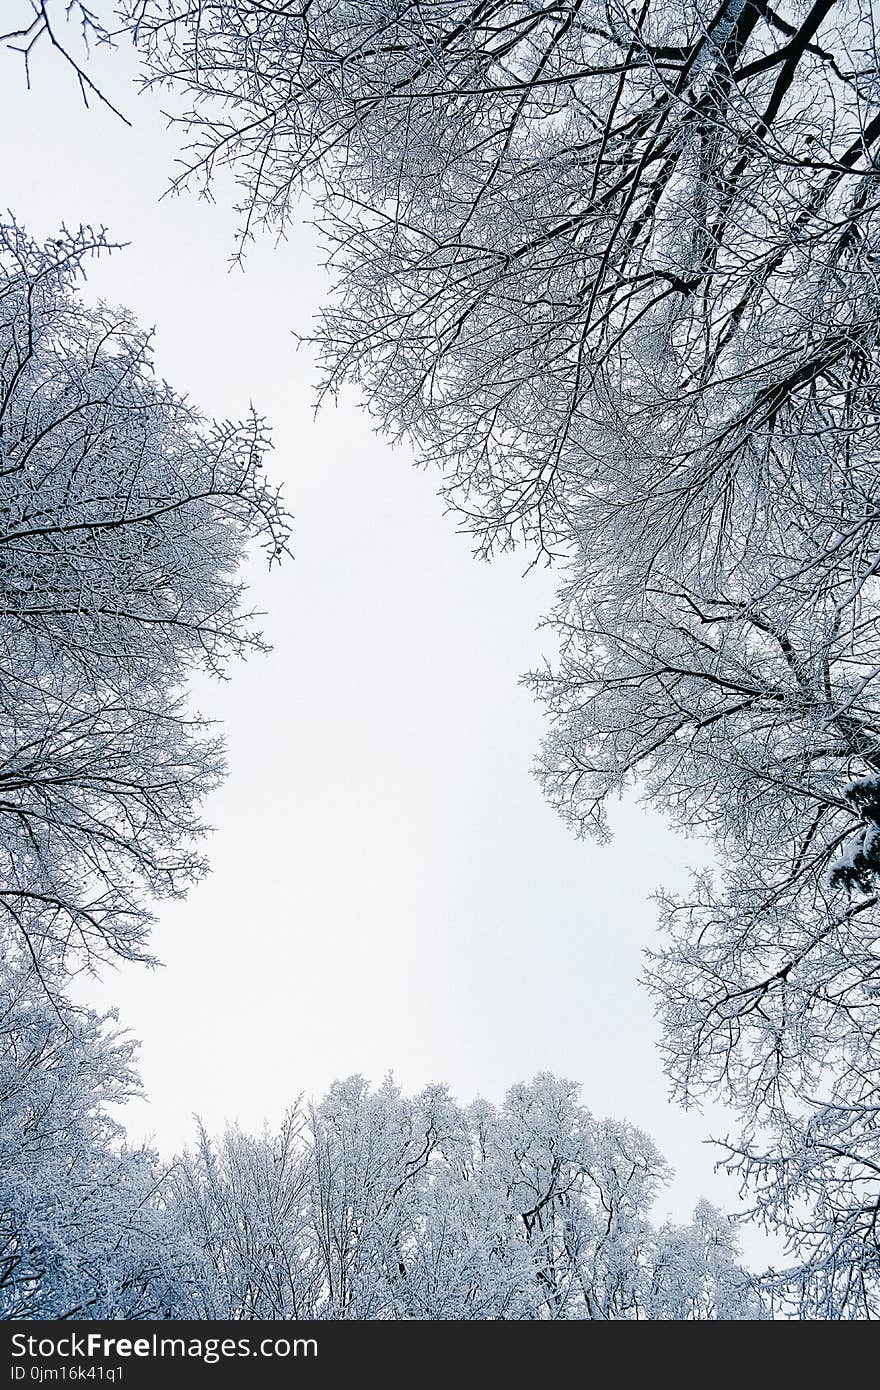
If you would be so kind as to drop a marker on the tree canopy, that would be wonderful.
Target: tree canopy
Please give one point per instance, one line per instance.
(613, 270)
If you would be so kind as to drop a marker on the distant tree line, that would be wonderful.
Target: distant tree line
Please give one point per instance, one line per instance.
(366, 1205)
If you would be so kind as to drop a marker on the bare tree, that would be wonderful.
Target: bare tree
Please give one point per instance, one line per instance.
(66, 30)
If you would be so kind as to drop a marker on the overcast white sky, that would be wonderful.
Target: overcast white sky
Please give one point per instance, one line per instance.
(389, 890)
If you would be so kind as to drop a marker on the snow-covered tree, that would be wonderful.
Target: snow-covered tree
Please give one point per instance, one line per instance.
(81, 1232)
(240, 1208)
(563, 230)
(124, 518)
(379, 1206)
(696, 1275)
